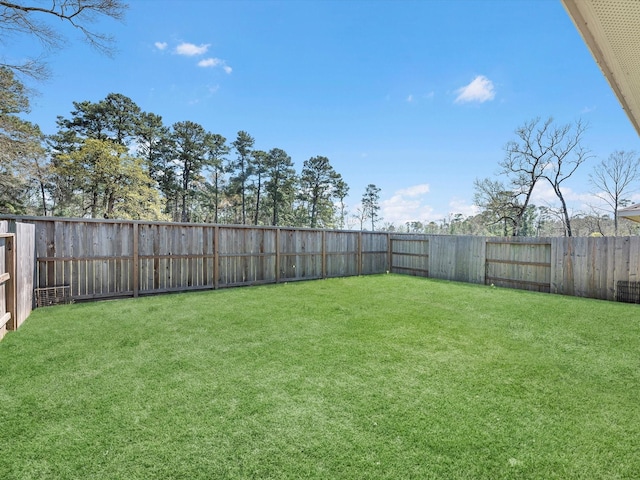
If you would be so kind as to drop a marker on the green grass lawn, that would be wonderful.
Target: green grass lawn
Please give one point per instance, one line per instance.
(359, 378)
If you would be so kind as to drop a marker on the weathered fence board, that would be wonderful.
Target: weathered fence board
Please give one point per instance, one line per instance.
(25, 263)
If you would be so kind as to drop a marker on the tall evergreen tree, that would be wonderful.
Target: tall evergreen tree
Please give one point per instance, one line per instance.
(318, 182)
(217, 150)
(21, 151)
(258, 167)
(371, 204)
(342, 190)
(191, 144)
(280, 185)
(241, 169)
(114, 118)
(155, 146)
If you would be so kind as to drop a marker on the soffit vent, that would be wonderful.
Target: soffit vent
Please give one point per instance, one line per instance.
(611, 29)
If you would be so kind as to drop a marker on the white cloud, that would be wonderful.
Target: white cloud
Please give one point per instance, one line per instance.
(458, 205)
(543, 194)
(412, 204)
(407, 205)
(215, 62)
(209, 62)
(479, 90)
(190, 49)
(400, 210)
(414, 191)
(411, 98)
(161, 45)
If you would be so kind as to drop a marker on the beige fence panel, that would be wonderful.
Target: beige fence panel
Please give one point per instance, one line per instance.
(25, 264)
(95, 259)
(374, 249)
(410, 255)
(459, 259)
(247, 256)
(341, 253)
(594, 267)
(174, 257)
(519, 263)
(301, 254)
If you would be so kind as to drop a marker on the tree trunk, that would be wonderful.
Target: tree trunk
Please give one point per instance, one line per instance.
(565, 213)
(44, 199)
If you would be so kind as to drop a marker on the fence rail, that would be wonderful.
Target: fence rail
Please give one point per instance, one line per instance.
(16, 280)
(110, 258)
(8, 299)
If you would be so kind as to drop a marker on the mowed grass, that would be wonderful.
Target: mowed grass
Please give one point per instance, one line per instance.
(375, 377)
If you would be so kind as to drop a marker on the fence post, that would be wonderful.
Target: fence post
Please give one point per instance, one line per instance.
(216, 257)
(277, 255)
(389, 253)
(136, 260)
(10, 285)
(359, 253)
(324, 254)
(486, 265)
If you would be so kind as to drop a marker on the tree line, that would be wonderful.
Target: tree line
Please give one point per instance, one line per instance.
(110, 159)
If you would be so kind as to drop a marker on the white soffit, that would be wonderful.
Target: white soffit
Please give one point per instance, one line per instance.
(611, 30)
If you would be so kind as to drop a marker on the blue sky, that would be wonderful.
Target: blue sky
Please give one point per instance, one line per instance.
(417, 97)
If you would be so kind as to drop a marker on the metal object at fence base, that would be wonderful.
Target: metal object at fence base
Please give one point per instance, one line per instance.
(48, 296)
(628, 292)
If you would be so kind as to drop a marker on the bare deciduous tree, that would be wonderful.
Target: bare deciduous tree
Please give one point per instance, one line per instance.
(566, 154)
(19, 18)
(524, 164)
(613, 179)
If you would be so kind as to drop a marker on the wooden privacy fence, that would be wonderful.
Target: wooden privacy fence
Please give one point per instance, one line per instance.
(93, 259)
(606, 268)
(101, 259)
